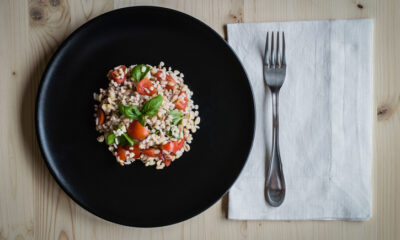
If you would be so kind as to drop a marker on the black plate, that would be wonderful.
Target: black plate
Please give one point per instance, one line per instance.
(135, 195)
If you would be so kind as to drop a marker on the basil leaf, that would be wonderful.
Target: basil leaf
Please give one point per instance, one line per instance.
(151, 107)
(128, 139)
(176, 121)
(121, 109)
(142, 119)
(137, 73)
(175, 113)
(131, 112)
(110, 139)
(122, 141)
(136, 110)
(176, 116)
(145, 72)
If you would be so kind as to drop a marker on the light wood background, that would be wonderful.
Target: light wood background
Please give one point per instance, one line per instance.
(32, 206)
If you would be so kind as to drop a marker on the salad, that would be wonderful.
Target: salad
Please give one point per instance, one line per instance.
(147, 114)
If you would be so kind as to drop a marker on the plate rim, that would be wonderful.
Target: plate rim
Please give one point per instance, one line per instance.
(41, 140)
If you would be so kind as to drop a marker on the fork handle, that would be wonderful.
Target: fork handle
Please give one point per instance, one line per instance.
(275, 187)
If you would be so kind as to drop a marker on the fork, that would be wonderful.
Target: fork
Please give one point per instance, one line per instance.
(274, 76)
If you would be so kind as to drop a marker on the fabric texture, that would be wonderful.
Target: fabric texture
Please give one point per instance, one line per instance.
(326, 117)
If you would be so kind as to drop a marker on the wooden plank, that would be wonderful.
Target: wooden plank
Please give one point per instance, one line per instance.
(16, 177)
(387, 129)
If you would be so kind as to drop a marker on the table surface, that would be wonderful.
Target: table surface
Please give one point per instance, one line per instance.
(32, 205)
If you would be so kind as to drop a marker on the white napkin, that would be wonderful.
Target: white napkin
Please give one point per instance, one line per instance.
(325, 121)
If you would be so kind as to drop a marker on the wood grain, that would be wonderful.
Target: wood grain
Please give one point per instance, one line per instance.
(32, 206)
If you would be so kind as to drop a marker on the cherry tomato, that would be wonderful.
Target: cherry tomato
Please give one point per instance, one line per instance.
(151, 152)
(173, 146)
(100, 117)
(182, 101)
(171, 83)
(179, 144)
(145, 87)
(160, 75)
(121, 153)
(166, 161)
(137, 131)
(118, 74)
(169, 147)
(135, 150)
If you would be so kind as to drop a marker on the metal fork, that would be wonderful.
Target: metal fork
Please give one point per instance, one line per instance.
(274, 76)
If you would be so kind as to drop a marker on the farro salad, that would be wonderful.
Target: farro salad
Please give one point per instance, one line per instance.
(146, 113)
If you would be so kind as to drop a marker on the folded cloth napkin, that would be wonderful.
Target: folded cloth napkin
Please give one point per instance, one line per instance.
(325, 121)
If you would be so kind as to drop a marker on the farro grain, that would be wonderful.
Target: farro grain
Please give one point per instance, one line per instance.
(100, 138)
(197, 121)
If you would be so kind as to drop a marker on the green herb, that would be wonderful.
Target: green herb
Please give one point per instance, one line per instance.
(176, 116)
(131, 112)
(151, 107)
(142, 119)
(137, 73)
(128, 139)
(110, 139)
(121, 141)
(157, 131)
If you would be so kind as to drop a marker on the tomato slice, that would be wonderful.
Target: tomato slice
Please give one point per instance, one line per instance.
(173, 146)
(169, 147)
(135, 150)
(179, 144)
(171, 83)
(151, 152)
(182, 101)
(137, 131)
(118, 74)
(100, 117)
(121, 153)
(166, 162)
(160, 75)
(145, 87)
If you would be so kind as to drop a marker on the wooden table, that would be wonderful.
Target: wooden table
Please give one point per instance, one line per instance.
(32, 205)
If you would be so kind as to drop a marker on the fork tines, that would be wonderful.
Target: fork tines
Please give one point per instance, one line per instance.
(274, 56)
